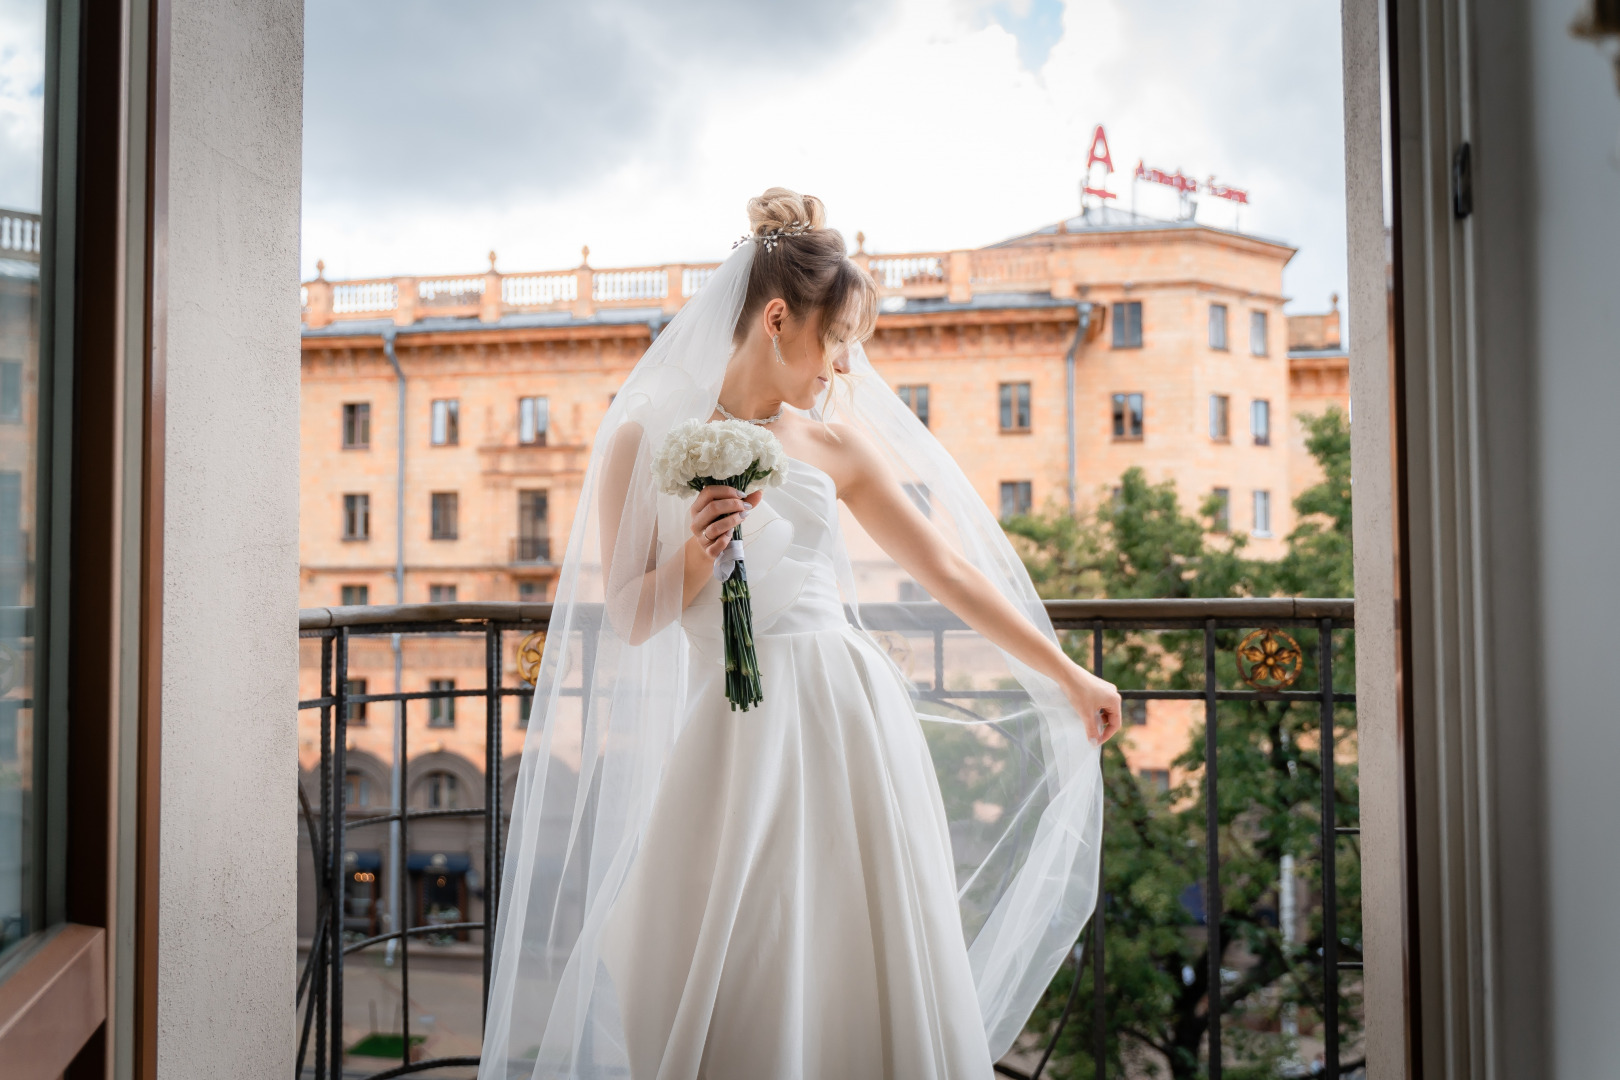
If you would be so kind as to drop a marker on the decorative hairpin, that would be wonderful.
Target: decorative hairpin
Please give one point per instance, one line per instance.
(771, 237)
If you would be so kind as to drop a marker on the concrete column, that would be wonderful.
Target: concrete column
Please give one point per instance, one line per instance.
(585, 293)
(227, 845)
(490, 309)
(672, 295)
(959, 275)
(404, 301)
(318, 311)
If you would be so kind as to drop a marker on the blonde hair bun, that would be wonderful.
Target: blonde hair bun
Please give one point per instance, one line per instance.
(779, 207)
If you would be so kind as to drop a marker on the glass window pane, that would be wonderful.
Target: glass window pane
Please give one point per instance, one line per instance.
(22, 103)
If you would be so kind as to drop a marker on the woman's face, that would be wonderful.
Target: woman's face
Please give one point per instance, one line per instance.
(809, 359)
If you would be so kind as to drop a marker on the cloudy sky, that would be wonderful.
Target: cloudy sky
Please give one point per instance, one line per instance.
(435, 133)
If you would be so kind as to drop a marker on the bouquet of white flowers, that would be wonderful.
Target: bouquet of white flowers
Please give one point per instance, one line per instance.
(734, 453)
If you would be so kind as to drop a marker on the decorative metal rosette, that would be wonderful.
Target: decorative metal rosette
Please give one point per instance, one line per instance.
(530, 650)
(1269, 659)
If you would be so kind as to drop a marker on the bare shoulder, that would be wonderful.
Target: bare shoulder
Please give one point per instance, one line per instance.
(851, 455)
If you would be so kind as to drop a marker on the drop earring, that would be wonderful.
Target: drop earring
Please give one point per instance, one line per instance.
(776, 344)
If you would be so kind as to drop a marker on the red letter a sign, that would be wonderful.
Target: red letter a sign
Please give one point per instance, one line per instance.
(1099, 151)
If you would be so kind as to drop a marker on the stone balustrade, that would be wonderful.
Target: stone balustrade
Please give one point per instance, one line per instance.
(581, 292)
(19, 235)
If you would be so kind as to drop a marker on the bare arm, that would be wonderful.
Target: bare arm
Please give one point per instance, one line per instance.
(872, 492)
(632, 592)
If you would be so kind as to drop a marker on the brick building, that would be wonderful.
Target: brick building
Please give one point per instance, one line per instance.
(1185, 366)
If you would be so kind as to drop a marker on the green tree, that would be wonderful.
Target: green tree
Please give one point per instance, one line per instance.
(1154, 854)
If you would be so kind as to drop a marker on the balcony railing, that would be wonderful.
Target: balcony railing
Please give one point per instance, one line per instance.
(19, 235)
(1035, 266)
(531, 549)
(1230, 630)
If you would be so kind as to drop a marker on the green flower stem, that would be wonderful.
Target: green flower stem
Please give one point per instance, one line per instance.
(737, 613)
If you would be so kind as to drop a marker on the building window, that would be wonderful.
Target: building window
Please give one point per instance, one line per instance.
(920, 497)
(356, 709)
(534, 420)
(357, 426)
(525, 703)
(356, 790)
(440, 791)
(1157, 780)
(916, 399)
(441, 594)
(1220, 409)
(441, 710)
(1257, 333)
(11, 392)
(1262, 513)
(1222, 498)
(357, 517)
(532, 592)
(445, 509)
(1128, 325)
(534, 527)
(1133, 712)
(1217, 326)
(1015, 498)
(1260, 421)
(446, 422)
(1128, 416)
(356, 595)
(1015, 406)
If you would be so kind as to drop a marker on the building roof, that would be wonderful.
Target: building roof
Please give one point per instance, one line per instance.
(1103, 219)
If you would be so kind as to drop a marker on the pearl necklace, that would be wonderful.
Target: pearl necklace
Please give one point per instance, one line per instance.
(771, 419)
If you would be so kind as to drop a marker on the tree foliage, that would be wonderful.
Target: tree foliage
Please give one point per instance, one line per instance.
(1269, 771)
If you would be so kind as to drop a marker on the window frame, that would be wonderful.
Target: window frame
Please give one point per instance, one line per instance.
(1023, 492)
(437, 593)
(916, 398)
(1221, 520)
(438, 503)
(356, 516)
(1259, 344)
(1220, 418)
(534, 420)
(444, 422)
(441, 710)
(356, 423)
(1261, 500)
(1224, 344)
(1009, 407)
(1125, 327)
(1122, 414)
(1260, 421)
(347, 600)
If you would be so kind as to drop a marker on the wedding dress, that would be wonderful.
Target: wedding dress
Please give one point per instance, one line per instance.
(793, 908)
(874, 873)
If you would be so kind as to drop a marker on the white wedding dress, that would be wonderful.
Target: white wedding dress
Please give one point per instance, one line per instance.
(812, 888)
(792, 910)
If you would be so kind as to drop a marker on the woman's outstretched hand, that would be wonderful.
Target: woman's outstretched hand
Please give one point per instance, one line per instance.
(1097, 702)
(716, 511)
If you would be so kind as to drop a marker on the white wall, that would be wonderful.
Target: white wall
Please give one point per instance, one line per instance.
(1576, 208)
(227, 876)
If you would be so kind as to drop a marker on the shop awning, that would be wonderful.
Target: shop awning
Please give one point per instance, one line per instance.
(442, 861)
(362, 860)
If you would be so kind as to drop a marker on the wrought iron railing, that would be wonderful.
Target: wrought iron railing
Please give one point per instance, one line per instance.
(1267, 657)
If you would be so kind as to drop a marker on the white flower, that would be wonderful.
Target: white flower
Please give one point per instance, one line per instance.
(717, 451)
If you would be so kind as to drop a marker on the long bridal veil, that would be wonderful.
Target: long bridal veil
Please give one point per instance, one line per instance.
(1019, 778)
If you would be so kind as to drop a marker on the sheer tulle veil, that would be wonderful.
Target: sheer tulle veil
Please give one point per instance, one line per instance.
(1020, 779)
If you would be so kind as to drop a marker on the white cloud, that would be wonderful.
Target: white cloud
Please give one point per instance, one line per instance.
(925, 130)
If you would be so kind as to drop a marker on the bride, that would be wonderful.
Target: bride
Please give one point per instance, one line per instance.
(871, 874)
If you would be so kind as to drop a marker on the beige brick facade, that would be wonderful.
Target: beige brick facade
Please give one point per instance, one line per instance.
(960, 323)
